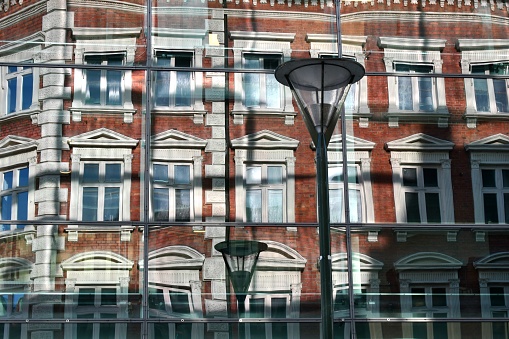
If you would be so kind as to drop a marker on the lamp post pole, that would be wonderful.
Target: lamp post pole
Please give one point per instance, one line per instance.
(324, 238)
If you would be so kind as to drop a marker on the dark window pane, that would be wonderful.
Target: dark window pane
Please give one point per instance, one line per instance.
(113, 173)
(183, 205)
(179, 302)
(433, 207)
(488, 178)
(505, 177)
(439, 297)
(420, 331)
(28, 88)
(430, 177)
(440, 329)
(279, 330)
(182, 174)
(11, 95)
(93, 87)
(108, 296)
(23, 177)
(111, 203)
(500, 88)
(362, 331)
(86, 297)
(156, 300)
(160, 173)
(490, 208)
(506, 207)
(183, 331)
(418, 297)
(341, 303)
(497, 296)
(410, 177)
(412, 207)
(90, 204)
(161, 331)
(91, 173)
(7, 183)
(161, 204)
(256, 310)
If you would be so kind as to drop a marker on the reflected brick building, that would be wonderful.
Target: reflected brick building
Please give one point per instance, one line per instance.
(122, 119)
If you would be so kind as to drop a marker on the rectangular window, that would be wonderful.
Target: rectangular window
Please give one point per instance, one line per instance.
(172, 192)
(104, 86)
(265, 193)
(173, 88)
(97, 303)
(421, 193)
(14, 197)
(491, 94)
(415, 93)
(495, 193)
(261, 90)
(337, 213)
(498, 302)
(101, 188)
(271, 307)
(429, 302)
(19, 88)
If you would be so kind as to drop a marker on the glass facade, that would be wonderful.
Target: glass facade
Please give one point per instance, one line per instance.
(137, 135)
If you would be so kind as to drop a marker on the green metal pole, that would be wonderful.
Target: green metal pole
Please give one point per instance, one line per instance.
(324, 238)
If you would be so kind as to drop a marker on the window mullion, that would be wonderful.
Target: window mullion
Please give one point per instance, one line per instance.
(491, 94)
(415, 93)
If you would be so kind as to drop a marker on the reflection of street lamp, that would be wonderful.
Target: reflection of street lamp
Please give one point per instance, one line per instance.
(320, 87)
(240, 257)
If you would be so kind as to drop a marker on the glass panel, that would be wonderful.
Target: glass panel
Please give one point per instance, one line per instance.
(257, 310)
(497, 296)
(183, 205)
(433, 207)
(418, 297)
(500, 87)
(182, 174)
(90, 203)
(275, 208)
(251, 82)
(113, 173)
(11, 95)
(93, 87)
(22, 207)
(86, 297)
(410, 177)
(335, 174)
(162, 82)
(439, 297)
(355, 205)
(482, 100)
(279, 330)
(108, 296)
(107, 330)
(430, 177)
(6, 210)
(490, 208)
(160, 173)
(161, 204)
(505, 177)
(179, 302)
(7, 182)
(274, 175)
(114, 83)
(91, 173)
(336, 205)
(28, 89)
(183, 95)
(253, 175)
(273, 87)
(111, 203)
(412, 207)
(341, 302)
(254, 206)
(488, 178)
(506, 207)
(426, 94)
(23, 177)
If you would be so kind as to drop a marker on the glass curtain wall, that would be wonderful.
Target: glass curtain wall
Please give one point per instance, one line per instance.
(158, 182)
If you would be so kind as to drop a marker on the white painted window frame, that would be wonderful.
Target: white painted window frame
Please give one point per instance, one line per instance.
(423, 269)
(489, 152)
(104, 41)
(422, 150)
(264, 147)
(11, 54)
(14, 191)
(414, 52)
(261, 43)
(183, 41)
(353, 48)
(481, 52)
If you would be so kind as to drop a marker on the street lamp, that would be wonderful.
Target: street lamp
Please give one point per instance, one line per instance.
(241, 257)
(320, 87)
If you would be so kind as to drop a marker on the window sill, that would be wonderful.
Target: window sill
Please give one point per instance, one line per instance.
(72, 231)
(28, 232)
(440, 118)
(32, 113)
(128, 113)
(473, 117)
(402, 234)
(372, 232)
(239, 114)
(198, 115)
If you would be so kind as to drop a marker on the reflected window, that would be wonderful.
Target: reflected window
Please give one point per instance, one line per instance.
(18, 88)
(265, 193)
(101, 189)
(173, 88)
(14, 197)
(172, 192)
(261, 90)
(12, 307)
(495, 195)
(415, 93)
(421, 194)
(96, 303)
(491, 94)
(172, 302)
(429, 302)
(499, 309)
(270, 306)
(104, 86)
(336, 195)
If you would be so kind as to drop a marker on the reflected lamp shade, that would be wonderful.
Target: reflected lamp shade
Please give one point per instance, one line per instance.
(320, 87)
(240, 257)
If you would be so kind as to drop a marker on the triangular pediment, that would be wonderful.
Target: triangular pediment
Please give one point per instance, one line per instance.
(495, 143)
(102, 137)
(12, 144)
(177, 139)
(265, 139)
(353, 143)
(419, 142)
(494, 261)
(363, 262)
(427, 261)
